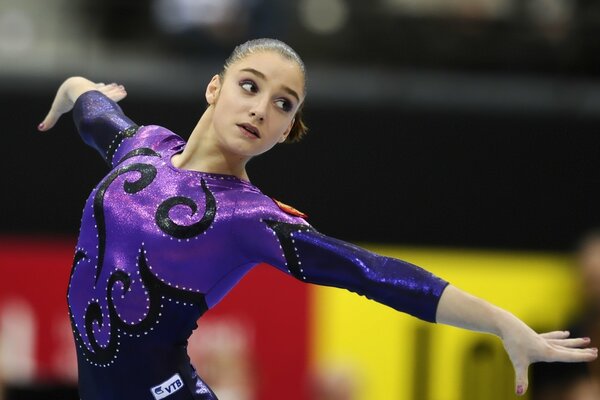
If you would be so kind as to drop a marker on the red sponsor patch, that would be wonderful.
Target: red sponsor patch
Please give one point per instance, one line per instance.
(289, 209)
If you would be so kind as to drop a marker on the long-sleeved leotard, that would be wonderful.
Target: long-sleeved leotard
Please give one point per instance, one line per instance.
(158, 246)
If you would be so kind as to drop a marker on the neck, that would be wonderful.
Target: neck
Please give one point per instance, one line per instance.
(203, 153)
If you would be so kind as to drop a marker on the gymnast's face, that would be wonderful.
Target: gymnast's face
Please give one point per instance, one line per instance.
(255, 103)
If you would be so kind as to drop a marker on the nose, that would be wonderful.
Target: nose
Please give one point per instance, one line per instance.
(259, 109)
(255, 115)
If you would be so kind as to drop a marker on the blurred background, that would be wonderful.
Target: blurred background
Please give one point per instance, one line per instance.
(462, 135)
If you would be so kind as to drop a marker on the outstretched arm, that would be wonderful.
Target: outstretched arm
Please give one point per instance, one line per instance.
(69, 92)
(294, 247)
(523, 345)
(99, 120)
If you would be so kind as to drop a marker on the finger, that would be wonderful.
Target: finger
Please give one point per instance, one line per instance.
(118, 97)
(564, 354)
(48, 122)
(556, 335)
(121, 96)
(115, 93)
(112, 89)
(521, 379)
(577, 342)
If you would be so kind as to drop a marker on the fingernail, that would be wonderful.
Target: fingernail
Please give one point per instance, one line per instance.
(41, 126)
(519, 390)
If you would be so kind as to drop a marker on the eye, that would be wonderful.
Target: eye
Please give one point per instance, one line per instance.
(284, 104)
(249, 86)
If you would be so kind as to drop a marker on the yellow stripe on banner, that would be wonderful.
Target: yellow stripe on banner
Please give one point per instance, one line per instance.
(389, 355)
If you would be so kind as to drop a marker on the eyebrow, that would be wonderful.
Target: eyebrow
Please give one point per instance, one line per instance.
(262, 76)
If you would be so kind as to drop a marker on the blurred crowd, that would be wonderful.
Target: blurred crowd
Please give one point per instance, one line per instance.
(548, 35)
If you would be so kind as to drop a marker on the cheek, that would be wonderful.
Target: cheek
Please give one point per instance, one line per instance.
(224, 112)
(282, 123)
(229, 100)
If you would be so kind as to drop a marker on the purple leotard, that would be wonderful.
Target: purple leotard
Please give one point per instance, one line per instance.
(158, 246)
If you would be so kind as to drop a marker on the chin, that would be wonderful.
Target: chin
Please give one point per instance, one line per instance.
(243, 150)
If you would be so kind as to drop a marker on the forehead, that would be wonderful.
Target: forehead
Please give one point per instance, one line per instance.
(277, 69)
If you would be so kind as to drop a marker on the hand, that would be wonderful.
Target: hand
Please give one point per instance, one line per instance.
(68, 93)
(113, 91)
(524, 347)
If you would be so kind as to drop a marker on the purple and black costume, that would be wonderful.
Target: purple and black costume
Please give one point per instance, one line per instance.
(158, 246)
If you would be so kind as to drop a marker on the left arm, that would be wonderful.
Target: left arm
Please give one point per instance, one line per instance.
(523, 345)
(296, 248)
(310, 256)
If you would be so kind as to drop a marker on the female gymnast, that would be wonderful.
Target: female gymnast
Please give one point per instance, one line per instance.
(174, 226)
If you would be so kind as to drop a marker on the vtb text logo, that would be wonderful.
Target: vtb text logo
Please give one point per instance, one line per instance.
(167, 388)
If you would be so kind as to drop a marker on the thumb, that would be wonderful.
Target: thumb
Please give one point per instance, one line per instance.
(48, 122)
(522, 381)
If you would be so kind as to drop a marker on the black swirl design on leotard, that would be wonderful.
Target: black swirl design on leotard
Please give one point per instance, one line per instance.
(284, 230)
(170, 227)
(79, 255)
(101, 316)
(156, 290)
(94, 314)
(112, 149)
(147, 175)
(142, 151)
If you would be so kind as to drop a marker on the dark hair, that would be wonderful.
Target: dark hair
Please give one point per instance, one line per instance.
(243, 50)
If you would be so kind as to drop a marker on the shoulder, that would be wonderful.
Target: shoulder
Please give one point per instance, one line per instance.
(153, 137)
(156, 134)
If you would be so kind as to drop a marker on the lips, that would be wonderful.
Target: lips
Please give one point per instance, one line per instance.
(250, 128)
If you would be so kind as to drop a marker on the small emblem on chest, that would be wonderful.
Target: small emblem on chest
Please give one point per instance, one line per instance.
(289, 209)
(167, 388)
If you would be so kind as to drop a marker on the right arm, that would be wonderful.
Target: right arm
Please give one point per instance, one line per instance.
(99, 120)
(69, 92)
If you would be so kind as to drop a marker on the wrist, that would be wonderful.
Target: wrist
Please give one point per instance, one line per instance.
(74, 86)
(504, 322)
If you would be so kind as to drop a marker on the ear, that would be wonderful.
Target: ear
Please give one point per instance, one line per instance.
(213, 89)
(288, 130)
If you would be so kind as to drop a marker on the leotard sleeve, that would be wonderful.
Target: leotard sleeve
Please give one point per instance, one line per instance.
(293, 246)
(101, 123)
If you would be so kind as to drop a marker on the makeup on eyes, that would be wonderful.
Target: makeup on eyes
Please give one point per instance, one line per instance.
(287, 106)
